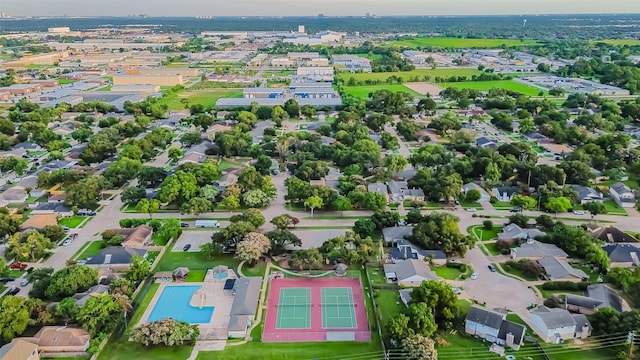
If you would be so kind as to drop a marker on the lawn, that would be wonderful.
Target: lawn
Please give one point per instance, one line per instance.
(548, 293)
(466, 205)
(389, 305)
(224, 165)
(196, 276)
(93, 248)
(376, 275)
(206, 98)
(517, 272)
(72, 221)
(193, 260)
(459, 43)
(256, 270)
(491, 247)
(483, 234)
(364, 91)
(502, 205)
(291, 351)
(15, 273)
(406, 75)
(620, 42)
(448, 273)
(488, 85)
(613, 208)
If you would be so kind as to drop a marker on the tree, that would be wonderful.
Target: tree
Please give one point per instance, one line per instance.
(438, 296)
(70, 280)
(395, 163)
(14, 317)
(29, 246)
(418, 347)
(230, 203)
(398, 327)
(252, 216)
(101, 314)
(292, 108)
(282, 238)
(440, 231)
(149, 207)
(282, 221)
(342, 204)
(421, 319)
(67, 310)
(140, 269)
(132, 194)
(252, 247)
(364, 227)
(55, 233)
(524, 202)
(169, 229)
(178, 188)
(208, 192)
(8, 225)
(122, 286)
(168, 332)
(196, 206)
(314, 202)
(472, 195)
(255, 198)
(175, 153)
(595, 208)
(375, 201)
(558, 204)
(85, 194)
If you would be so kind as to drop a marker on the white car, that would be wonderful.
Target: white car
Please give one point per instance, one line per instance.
(474, 276)
(66, 242)
(471, 209)
(456, 290)
(578, 212)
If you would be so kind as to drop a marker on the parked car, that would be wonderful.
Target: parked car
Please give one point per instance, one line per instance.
(66, 242)
(13, 291)
(86, 212)
(18, 266)
(471, 209)
(24, 282)
(207, 224)
(65, 228)
(515, 209)
(389, 152)
(492, 268)
(6, 279)
(578, 212)
(456, 290)
(184, 225)
(474, 276)
(186, 247)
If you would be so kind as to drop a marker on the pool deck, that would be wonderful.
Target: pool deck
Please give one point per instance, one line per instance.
(211, 293)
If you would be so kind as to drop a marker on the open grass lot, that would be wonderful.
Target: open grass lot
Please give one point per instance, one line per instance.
(459, 43)
(448, 273)
(613, 208)
(621, 42)
(291, 351)
(488, 85)
(257, 270)
(72, 221)
(193, 260)
(483, 234)
(364, 91)
(206, 98)
(406, 75)
(93, 248)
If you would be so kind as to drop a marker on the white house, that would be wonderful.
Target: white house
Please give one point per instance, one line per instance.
(493, 326)
(623, 195)
(410, 273)
(553, 325)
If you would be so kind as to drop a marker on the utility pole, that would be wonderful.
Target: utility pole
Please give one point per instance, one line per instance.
(630, 338)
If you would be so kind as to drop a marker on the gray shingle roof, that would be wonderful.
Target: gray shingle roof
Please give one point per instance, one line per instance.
(405, 269)
(115, 255)
(396, 233)
(513, 231)
(586, 193)
(517, 330)
(246, 294)
(620, 188)
(622, 252)
(554, 318)
(485, 317)
(535, 248)
(558, 269)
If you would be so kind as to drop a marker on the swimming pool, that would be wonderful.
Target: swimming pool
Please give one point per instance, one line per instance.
(174, 303)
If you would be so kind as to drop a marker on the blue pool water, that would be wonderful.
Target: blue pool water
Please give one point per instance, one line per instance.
(174, 303)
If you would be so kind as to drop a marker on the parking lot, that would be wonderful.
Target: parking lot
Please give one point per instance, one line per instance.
(193, 237)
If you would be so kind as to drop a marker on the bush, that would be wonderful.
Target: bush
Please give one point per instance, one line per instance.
(155, 224)
(519, 220)
(131, 223)
(474, 215)
(487, 224)
(565, 285)
(503, 246)
(493, 200)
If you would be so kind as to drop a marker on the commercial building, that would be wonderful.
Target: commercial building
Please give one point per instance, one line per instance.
(160, 80)
(320, 73)
(185, 72)
(352, 63)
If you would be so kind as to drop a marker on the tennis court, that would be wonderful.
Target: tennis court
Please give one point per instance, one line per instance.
(338, 308)
(294, 309)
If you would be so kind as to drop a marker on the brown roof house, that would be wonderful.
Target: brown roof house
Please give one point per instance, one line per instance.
(19, 349)
(39, 221)
(13, 195)
(138, 237)
(192, 157)
(60, 340)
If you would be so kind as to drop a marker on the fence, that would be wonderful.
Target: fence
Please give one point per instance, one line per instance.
(304, 336)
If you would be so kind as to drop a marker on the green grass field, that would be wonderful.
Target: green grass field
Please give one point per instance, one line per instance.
(92, 249)
(488, 85)
(448, 273)
(71, 221)
(206, 98)
(621, 42)
(406, 75)
(459, 43)
(193, 260)
(364, 91)
(291, 351)
(483, 234)
(389, 305)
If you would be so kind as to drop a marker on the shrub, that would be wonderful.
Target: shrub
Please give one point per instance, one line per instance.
(503, 246)
(131, 223)
(565, 285)
(487, 224)
(493, 200)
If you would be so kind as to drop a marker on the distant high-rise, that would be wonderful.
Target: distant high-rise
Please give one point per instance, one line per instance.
(301, 28)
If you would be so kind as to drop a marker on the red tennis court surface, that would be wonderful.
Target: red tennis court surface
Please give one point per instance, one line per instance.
(282, 327)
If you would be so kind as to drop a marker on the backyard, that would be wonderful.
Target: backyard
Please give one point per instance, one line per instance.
(193, 260)
(389, 305)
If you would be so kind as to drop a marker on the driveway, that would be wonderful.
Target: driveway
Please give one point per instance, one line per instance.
(495, 289)
(195, 238)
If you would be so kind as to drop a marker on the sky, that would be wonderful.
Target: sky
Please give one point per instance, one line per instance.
(311, 7)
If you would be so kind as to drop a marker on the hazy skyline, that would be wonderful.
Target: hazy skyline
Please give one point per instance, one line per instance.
(311, 7)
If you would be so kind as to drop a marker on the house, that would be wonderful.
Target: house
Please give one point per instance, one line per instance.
(53, 341)
(483, 142)
(553, 325)
(115, 257)
(560, 270)
(400, 191)
(14, 195)
(587, 194)
(19, 349)
(611, 235)
(405, 250)
(378, 187)
(405, 174)
(598, 296)
(137, 237)
(405, 296)
(192, 157)
(228, 180)
(409, 273)
(515, 232)
(493, 326)
(623, 195)
(505, 194)
(39, 221)
(622, 255)
(97, 290)
(535, 250)
(246, 292)
(583, 326)
(52, 208)
(396, 233)
(484, 195)
(57, 198)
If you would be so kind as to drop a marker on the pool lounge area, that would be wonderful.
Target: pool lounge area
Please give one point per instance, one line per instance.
(184, 303)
